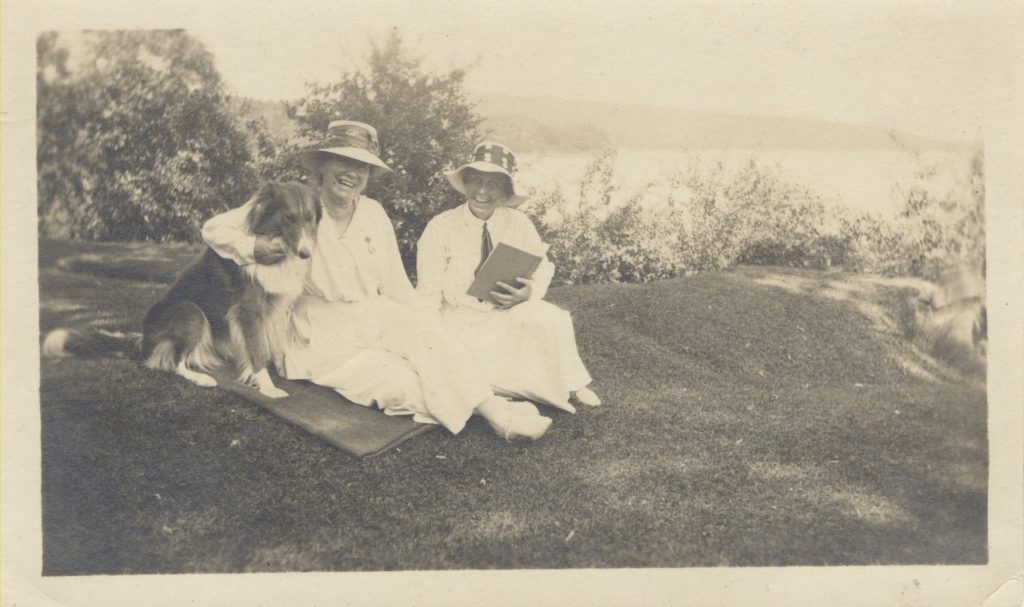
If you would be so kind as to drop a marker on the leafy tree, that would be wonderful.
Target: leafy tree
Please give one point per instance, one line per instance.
(61, 177)
(426, 126)
(143, 141)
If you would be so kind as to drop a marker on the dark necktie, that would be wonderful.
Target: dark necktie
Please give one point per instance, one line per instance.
(485, 249)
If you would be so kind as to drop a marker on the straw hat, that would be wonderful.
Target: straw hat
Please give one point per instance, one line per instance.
(355, 140)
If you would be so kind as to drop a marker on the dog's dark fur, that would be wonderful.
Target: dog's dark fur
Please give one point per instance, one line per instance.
(218, 310)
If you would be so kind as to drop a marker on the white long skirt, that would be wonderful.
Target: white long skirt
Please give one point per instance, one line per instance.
(378, 352)
(528, 351)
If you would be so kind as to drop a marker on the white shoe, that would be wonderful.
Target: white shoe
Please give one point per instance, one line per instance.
(515, 419)
(586, 396)
(522, 408)
(529, 427)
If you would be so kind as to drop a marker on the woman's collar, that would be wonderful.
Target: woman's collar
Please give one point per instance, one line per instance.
(470, 217)
(351, 222)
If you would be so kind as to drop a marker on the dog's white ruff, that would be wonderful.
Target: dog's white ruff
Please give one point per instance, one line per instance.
(286, 278)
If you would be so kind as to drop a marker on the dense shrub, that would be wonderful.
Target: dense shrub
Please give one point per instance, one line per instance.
(141, 142)
(714, 217)
(711, 219)
(599, 239)
(940, 227)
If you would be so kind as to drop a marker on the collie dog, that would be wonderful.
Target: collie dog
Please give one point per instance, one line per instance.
(219, 311)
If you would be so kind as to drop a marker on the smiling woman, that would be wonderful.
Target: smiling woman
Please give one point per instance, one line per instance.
(360, 326)
(343, 182)
(484, 191)
(525, 346)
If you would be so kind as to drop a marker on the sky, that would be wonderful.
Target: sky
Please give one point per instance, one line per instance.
(912, 66)
(916, 66)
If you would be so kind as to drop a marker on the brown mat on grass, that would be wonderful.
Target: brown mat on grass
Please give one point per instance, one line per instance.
(361, 431)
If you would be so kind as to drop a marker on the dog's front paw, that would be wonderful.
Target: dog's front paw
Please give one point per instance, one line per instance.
(273, 392)
(266, 386)
(199, 379)
(205, 381)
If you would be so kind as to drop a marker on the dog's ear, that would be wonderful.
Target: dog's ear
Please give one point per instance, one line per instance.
(310, 196)
(261, 203)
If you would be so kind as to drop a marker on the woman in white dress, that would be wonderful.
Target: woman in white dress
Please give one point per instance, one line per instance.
(525, 345)
(359, 326)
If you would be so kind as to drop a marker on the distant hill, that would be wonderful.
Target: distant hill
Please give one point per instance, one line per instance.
(549, 124)
(531, 124)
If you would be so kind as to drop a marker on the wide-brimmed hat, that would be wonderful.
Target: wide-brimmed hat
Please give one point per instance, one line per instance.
(355, 140)
(490, 157)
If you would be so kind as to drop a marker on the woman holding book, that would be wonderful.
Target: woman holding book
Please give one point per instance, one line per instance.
(525, 345)
(360, 327)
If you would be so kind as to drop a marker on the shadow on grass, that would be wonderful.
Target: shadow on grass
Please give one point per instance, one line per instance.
(140, 261)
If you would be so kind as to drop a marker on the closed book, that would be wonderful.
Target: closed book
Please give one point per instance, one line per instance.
(505, 264)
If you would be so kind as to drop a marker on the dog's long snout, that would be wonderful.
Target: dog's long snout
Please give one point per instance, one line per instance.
(305, 248)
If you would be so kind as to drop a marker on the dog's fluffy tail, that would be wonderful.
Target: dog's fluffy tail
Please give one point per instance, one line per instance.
(91, 343)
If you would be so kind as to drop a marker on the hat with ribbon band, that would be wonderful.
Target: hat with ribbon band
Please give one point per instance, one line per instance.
(355, 140)
(490, 157)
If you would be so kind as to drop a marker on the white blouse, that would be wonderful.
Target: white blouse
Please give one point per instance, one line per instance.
(448, 254)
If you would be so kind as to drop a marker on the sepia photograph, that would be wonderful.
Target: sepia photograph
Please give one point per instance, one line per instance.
(536, 298)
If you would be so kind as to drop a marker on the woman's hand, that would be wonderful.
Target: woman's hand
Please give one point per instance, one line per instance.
(268, 251)
(514, 296)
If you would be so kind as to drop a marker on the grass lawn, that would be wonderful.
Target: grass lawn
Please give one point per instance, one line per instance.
(762, 416)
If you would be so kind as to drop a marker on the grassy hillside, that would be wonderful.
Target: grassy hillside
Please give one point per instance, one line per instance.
(753, 417)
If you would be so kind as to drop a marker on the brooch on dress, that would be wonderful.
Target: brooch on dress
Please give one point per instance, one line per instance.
(369, 246)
